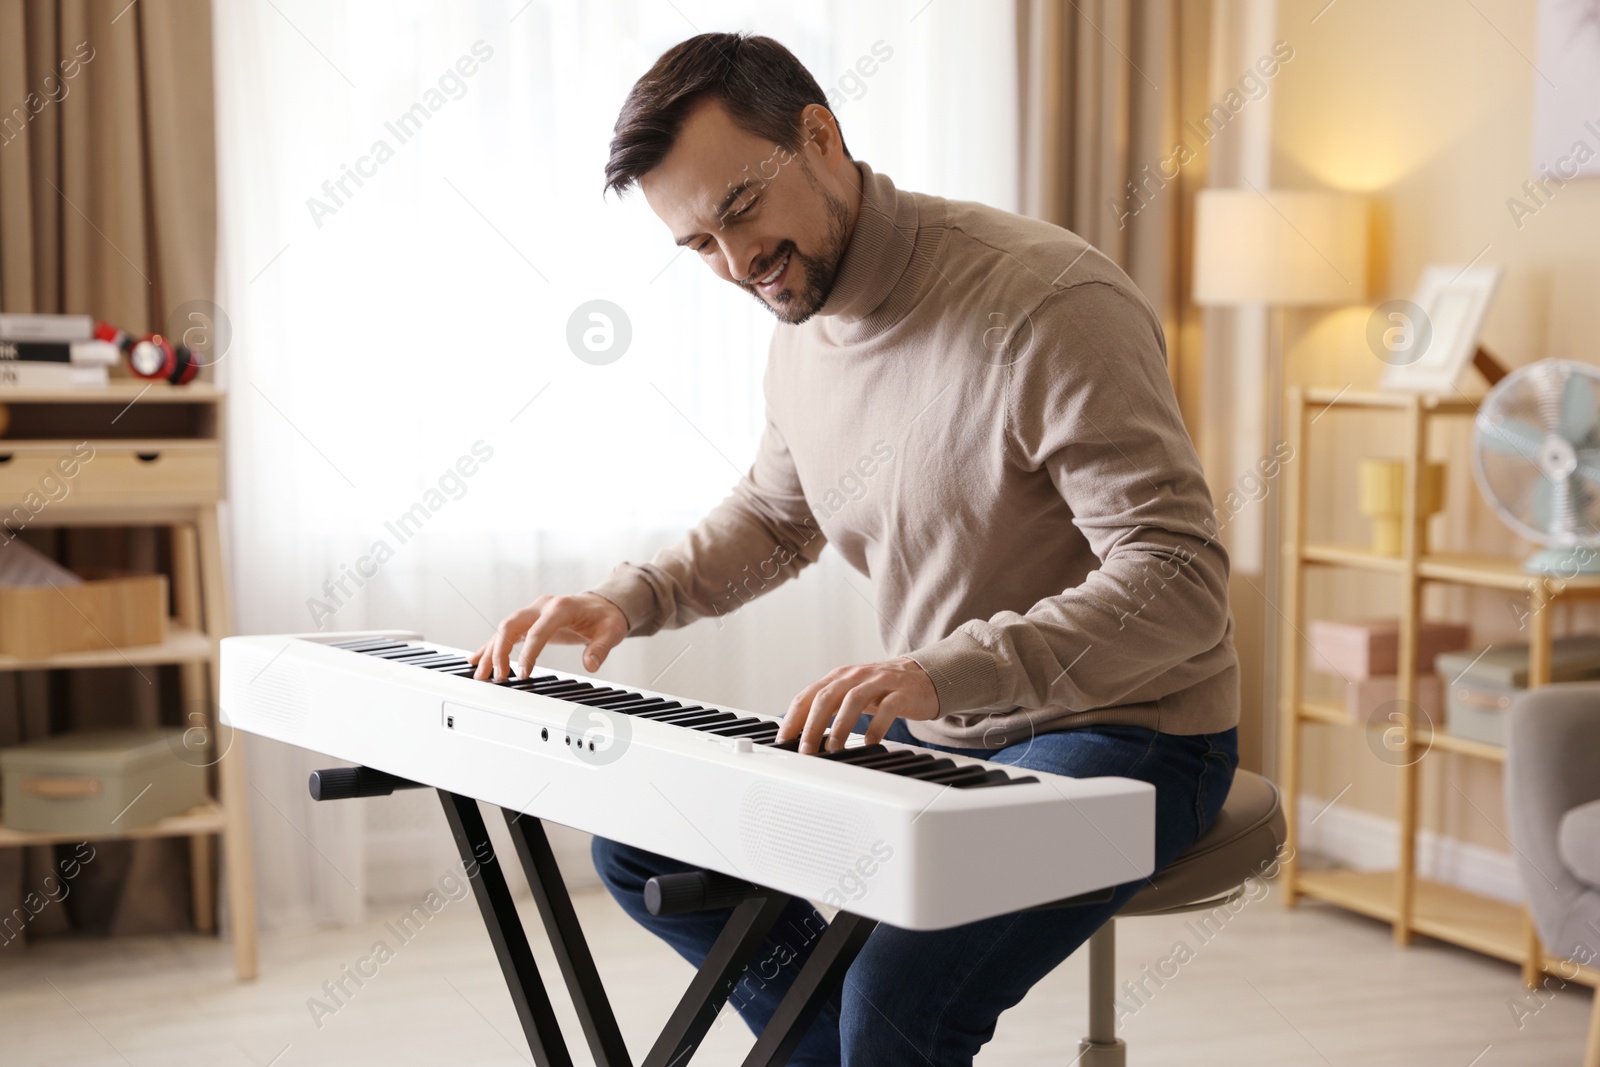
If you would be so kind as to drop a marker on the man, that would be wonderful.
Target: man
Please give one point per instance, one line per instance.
(1034, 517)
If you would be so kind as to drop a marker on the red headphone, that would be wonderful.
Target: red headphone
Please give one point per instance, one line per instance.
(152, 356)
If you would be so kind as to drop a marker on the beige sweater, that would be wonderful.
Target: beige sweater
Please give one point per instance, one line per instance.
(980, 419)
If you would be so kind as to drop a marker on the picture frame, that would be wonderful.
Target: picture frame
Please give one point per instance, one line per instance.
(1440, 326)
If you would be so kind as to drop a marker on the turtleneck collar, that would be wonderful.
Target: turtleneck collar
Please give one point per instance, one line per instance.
(886, 263)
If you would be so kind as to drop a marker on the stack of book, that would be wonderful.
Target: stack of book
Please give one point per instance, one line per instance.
(53, 352)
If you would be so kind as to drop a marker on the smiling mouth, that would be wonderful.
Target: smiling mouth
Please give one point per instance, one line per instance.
(770, 283)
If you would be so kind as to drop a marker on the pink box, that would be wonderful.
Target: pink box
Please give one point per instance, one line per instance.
(1368, 648)
(1364, 696)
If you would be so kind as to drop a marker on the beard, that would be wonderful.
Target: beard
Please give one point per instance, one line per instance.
(822, 268)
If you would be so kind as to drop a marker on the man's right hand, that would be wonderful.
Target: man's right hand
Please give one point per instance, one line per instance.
(580, 619)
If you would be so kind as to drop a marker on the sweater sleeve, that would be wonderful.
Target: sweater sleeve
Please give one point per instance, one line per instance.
(759, 537)
(1092, 407)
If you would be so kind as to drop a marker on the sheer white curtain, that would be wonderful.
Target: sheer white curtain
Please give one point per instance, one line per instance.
(411, 213)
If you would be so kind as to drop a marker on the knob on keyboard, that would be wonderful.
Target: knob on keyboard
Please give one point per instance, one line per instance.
(679, 893)
(344, 783)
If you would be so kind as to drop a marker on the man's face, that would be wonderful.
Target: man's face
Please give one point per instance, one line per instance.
(775, 222)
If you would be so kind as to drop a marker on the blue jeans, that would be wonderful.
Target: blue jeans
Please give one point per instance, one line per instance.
(916, 998)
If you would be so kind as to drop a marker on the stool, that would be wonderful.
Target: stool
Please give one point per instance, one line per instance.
(1243, 840)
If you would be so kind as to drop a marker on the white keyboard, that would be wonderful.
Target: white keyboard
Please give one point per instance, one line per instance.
(908, 836)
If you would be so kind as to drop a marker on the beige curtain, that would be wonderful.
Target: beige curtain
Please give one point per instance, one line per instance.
(107, 208)
(107, 162)
(1105, 89)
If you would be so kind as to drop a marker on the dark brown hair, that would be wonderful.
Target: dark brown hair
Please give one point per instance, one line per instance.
(760, 82)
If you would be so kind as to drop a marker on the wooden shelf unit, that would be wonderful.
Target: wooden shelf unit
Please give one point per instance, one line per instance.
(183, 645)
(157, 461)
(1440, 911)
(1411, 905)
(205, 818)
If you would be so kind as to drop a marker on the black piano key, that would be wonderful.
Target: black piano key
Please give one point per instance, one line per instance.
(893, 758)
(532, 679)
(597, 698)
(1002, 779)
(698, 718)
(901, 755)
(637, 698)
(560, 685)
(442, 659)
(924, 770)
(619, 696)
(758, 732)
(852, 755)
(968, 773)
(720, 718)
(915, 761)
(667, 707)
(672, 714)
(646, 707)
(370, 644)
(644, 704)
(557, 689)
(709, 715)
(794, 745)
(404, 653)
(569, 696)
(736, 725)
(461, 672)
(994, 778)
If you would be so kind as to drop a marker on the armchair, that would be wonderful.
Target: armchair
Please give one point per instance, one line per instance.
(1553, 806)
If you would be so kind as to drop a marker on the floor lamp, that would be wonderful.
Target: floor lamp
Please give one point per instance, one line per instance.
(1277, 249)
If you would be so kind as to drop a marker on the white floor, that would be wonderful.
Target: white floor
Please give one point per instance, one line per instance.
(1312, 986)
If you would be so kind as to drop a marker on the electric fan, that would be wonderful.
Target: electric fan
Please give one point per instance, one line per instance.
(1536, 456)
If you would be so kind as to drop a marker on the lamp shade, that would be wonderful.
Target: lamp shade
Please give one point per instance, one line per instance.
(1281, 247)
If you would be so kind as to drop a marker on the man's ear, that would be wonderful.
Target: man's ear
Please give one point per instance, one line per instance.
(822, 135)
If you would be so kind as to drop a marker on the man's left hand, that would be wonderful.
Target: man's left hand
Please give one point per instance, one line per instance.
(893, 689)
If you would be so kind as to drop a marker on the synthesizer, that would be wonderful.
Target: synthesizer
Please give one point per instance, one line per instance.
(904, 835)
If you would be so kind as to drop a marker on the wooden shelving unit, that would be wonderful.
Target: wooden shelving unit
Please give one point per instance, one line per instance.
(157, 462)
(1412, 905)
(204, 819)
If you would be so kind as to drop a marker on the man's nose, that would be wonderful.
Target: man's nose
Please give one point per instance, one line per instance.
(742, 259)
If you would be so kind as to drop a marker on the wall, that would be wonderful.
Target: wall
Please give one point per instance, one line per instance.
(1427, 106)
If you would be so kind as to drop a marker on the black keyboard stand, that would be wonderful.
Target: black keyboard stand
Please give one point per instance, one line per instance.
(505, 932)
(754, 911)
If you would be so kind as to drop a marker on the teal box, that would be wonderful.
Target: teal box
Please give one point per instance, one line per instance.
(1481, 685)
(99, 782)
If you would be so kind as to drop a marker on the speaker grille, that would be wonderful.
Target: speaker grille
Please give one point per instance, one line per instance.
(789, 831)
(269, 689)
